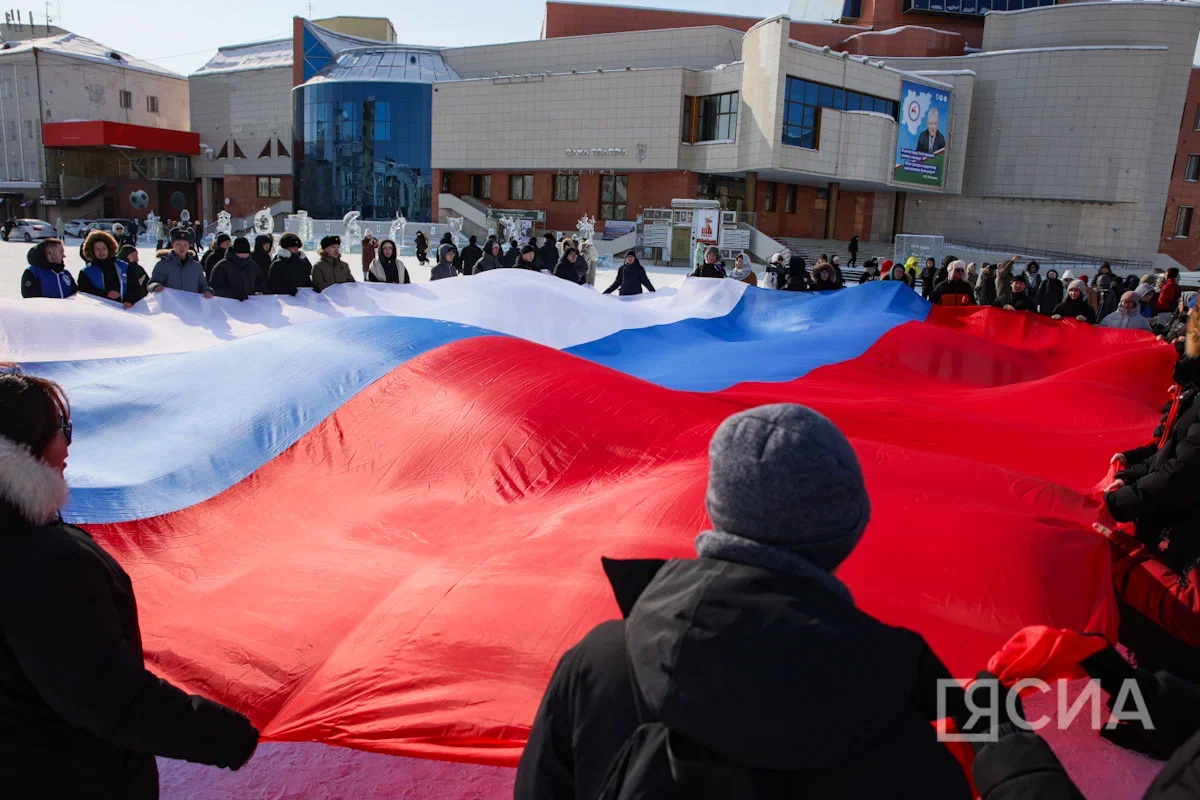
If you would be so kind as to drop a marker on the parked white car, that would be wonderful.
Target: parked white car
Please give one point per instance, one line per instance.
(31, 229)
(78, 227)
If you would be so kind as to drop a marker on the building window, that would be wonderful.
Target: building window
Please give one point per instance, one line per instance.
(1196, 124)
(685, 132)
(152, 104)
(769, 202)
(710, 119)
(566, 188)
(1193, 169)
(25, 87)
(28, 129)
(520, 187)
(1183, 222)
(614, 191)
(789, 201)
(481, 187)
(445, 181)
(12, 130)
(803, 99)
(126, 99)
(6, 88)
(270, 187)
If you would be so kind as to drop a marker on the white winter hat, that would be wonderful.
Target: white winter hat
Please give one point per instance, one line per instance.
(1080, 285)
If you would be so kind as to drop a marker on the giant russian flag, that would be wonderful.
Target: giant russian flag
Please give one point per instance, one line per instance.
(374, 517)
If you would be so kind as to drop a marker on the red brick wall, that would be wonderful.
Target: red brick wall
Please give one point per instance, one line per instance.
(242, 191)
(570, 19)
(1181, 192)
(646, 190)
(808, 219)
(884, 14)
(912, 41)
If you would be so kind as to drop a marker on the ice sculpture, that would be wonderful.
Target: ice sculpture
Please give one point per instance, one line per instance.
(153, 230)
(353, 231)
(225, 223)
(185, 215)
(586, 228)
(264, 223)
(397, 230)
(455, 224)
(511, 229)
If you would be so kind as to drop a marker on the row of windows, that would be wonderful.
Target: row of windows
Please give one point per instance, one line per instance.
(31, 172)
(23, 87)
(804, 99)
(11, 127)
(789, 203)
(973, 6)
(126, 100)
(614, 191)
(711, 118)
(270, 187)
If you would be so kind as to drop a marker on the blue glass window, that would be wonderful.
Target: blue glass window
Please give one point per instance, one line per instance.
(802, 99)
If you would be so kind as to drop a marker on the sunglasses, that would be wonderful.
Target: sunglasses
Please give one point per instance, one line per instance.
(67, 428)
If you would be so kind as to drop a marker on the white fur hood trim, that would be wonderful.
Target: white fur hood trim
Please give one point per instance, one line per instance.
(29, 484)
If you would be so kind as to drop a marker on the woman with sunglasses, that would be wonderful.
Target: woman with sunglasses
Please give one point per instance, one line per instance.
(80, 715)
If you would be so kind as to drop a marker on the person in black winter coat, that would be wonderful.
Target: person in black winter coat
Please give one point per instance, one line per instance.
(237, 276)
(870, 272)
(83, 717)
(631, 277)
(1076, 305)
(928, 278)
(508, 258)
(492, 258)
(796, 266)
(1050, 293)
(1155, 487)
(106, 276)
(386, 267)
(47, 275)
(291, 270)
(853, 249)
(447, 266)
(711, 267)
(446, 239)
(263, 245)
(422, 248)
(1109, 288)
(216, 253)
(548, 255)
(748, 672)
(528, 258)
(571, 268)
(470, 254)
(1022, 299)
(823, 280)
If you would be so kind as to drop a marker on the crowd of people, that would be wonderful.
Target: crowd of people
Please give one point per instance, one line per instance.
(700, 689)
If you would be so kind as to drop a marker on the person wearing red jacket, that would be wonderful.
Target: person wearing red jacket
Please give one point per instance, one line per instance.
(1168, 298)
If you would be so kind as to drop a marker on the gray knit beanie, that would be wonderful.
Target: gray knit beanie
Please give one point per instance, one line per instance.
(785, 476)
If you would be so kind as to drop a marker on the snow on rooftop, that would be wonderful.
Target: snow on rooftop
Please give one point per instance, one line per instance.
(253, 55)
(72, 45)
(902, 28)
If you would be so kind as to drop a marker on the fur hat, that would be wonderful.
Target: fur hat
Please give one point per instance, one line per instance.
(329, 241)
(89, 244)
(290, 240)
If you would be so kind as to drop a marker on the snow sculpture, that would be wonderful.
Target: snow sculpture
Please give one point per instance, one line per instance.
(225, 223)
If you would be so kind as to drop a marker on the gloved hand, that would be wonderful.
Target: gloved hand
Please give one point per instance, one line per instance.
(987, 692)
(1172, 704)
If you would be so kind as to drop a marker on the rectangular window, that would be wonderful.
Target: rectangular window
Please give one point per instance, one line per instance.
(566, 188)
(803, 101)
(614, 192)
(28, 129)
(685, 132)
(1196, 124)
(264, 187)
(1193, 168)
(769, 202)
(152, 104)
(276, 187)
(12, 130)
(718, 117)
(25, 87)
(1183, 222)
(789, 202)
(445, 182)
(520, 187)
(6, 87)
(126, 99)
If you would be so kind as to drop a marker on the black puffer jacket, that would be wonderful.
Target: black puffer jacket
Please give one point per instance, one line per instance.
(1050, 293)
(767, 686)
(237, 278)
(1160, 482)
(83, 717)
(289, 273)
(1072, 308)
(574, 272)
(1024, 301)
(630, 279)
(261, 255)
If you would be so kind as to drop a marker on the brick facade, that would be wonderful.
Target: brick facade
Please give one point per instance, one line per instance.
(1182, 192)
(242, 191)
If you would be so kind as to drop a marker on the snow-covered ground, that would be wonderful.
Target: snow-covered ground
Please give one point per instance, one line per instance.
(13, 263)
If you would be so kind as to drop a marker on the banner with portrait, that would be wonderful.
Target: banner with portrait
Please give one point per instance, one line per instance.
(921, 138)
